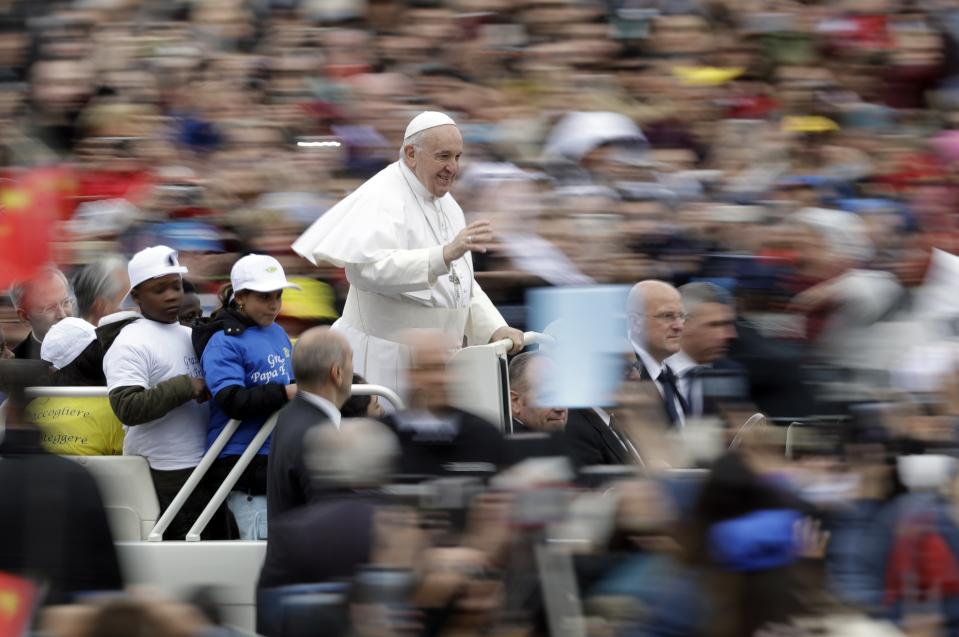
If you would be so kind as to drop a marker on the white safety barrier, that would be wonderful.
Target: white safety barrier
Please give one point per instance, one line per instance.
(481, 379)
(122, 477)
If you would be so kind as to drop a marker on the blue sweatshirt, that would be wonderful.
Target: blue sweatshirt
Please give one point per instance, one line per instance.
(257, 356)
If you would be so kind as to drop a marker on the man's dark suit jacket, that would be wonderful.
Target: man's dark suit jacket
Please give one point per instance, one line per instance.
(775, 367)
(724, 382)
(526, 443)
(476, 441)
(288, 480)
(27, 349)
(591, 442)
(321, 541)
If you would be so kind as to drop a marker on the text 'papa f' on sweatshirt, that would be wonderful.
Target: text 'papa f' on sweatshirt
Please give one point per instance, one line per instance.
(247, 368)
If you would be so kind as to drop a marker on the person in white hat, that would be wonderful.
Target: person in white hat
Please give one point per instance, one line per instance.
(247, 364)
(156, 386)
(76, 426)
(406, 248)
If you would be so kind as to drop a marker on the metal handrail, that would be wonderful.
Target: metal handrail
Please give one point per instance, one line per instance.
(254, 447)
(66, 392)
(156, 535)
(193, 535)
(379, 390)
(529, 338)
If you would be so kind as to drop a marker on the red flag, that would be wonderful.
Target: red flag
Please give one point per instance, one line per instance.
(29, 206)
(18, 597)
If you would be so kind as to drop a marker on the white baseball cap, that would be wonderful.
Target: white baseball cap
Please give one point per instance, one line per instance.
(260, 273)
(66, 340)
(151, 263)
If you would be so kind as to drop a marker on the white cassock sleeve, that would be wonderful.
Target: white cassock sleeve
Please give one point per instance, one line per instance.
(369, 234)
(484, 318)
(399, 271)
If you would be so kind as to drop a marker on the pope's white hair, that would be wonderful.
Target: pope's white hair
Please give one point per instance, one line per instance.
(415, 140)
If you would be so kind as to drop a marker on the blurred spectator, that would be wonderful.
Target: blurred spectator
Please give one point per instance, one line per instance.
(536, 430)
(801, 155)
(157, 387)
(331, 538)
(75, 426)
(100, 288)
(437, 438)
(45, 496)
(848, 296)
(59, 89)
(323, 368)
(191, 310)
(707, 377)
(246, 361)
(362, 406)
(131, 614)
(527, 375)
(312, 306)
(429, 268)
(41, 302)
(5, 352)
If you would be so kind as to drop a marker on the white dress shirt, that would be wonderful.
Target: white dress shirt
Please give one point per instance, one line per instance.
(654, 369)
(325, 406)
(691, 388)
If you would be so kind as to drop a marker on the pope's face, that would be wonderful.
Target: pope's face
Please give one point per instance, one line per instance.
(437, 163)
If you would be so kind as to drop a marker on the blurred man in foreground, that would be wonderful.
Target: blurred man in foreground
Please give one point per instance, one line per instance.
(331, 538)
(437, 438)
(56, 529)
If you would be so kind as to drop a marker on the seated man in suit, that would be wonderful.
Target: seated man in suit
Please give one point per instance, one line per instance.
(323, 366)
(537, 430)
(706, 376)
(436, 438)
(526, 373)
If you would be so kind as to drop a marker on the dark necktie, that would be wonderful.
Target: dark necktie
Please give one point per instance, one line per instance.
(671, 395)
(693, 376)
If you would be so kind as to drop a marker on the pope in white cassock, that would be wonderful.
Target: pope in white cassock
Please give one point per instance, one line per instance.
(406, 248)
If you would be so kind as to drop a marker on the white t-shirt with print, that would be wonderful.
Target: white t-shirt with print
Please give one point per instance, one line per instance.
(145, 354)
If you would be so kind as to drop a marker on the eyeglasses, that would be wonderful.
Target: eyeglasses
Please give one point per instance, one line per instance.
(66, 305)
(670, 317)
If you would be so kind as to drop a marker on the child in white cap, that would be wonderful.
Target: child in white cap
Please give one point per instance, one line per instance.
(246, 360)
(156, 386)
(77, 426)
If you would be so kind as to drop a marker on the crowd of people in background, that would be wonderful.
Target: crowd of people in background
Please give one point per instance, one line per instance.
(774, 180)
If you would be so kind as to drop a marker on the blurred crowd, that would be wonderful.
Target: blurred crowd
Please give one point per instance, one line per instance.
(788, 165)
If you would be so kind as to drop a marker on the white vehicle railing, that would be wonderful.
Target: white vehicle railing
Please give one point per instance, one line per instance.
(156, 535)
(529, 338)
(254, 447)
(486, 394)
